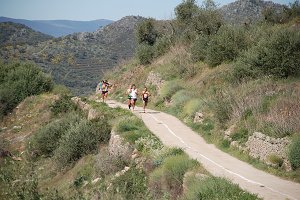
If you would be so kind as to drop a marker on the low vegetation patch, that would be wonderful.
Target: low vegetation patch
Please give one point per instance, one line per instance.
(214, 188)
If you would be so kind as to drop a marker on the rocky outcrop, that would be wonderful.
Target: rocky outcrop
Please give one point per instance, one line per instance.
(199, 117)
(262, 147)
(247, 11)
(154, 79)
(81, 104)
(118, 147)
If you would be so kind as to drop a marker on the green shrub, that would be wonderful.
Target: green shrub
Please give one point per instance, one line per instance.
(275, 159)
(162, 46)
(226, 45)
(294, 153)
(215, 188)
(63, 105)
(192, 106)
(240, 135)
(199, 48)
(180, 98)
(46, 140)
(169, 88)
(146, 33)
(222, 107)
(132, 129)
(128, 124)
(169, 176)
(18, 81)
(131, 185)
(145, 54)
(81, 139)
(277, 54)
(165, 154)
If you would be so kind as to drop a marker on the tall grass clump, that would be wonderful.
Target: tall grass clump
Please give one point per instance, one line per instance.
(46, 140)
(131, 128)
(215, 188)
(277, 55)
(192, 106)
(169, 88)
(169, 176)
(81, 139)
(180, 98)
(294, 153)
(131, 185)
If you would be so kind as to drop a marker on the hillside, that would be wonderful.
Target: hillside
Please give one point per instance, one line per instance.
(91, 151)
(58, 28)
(247, 11)
(12, 34)
(79, 60)
(237, 86)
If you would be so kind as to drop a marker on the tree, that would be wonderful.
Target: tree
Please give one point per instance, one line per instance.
(146, 32)
(186, 11)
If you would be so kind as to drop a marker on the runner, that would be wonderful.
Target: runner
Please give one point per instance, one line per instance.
(145, 96)
(133, 95)
(129, 97)
(104, 89)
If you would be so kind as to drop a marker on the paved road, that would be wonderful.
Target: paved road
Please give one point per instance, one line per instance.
(172, 132)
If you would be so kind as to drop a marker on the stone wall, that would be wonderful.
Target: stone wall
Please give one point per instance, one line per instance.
(262, 147)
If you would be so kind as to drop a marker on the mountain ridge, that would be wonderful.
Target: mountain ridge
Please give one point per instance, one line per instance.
(247, 11)
(58, 28)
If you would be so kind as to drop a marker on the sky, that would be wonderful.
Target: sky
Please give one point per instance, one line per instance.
(85, 10)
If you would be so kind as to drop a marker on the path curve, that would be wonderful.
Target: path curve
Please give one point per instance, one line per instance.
(173, 133)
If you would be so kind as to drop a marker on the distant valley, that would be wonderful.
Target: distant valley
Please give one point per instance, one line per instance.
(77, 60)
(58, 28)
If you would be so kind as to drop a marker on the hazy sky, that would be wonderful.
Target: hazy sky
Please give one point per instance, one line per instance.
(93, 9)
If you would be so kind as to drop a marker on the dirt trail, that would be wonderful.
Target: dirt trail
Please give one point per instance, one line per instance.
(172, 132)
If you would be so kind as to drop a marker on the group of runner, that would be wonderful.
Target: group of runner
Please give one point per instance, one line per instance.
(132, 94)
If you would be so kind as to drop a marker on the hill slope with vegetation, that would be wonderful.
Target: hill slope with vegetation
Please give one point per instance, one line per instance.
(79, 60)
(238, 86)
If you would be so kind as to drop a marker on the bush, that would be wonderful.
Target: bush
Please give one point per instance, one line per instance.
(146, 32)
(199, 48)
(192, 106)
(169, 88)
(169, 176)
(294, 153)
(226, 45)
(222, 107)
(277, 54)
(132, 129)
(275, 159)
(131, 185)
(180, 98)
(18, 81)
(128, 124)
(240, 135)
(63, 105)
(81, 139)
(161, 46)
(46, 140)
(215, 188)
(145, 54)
